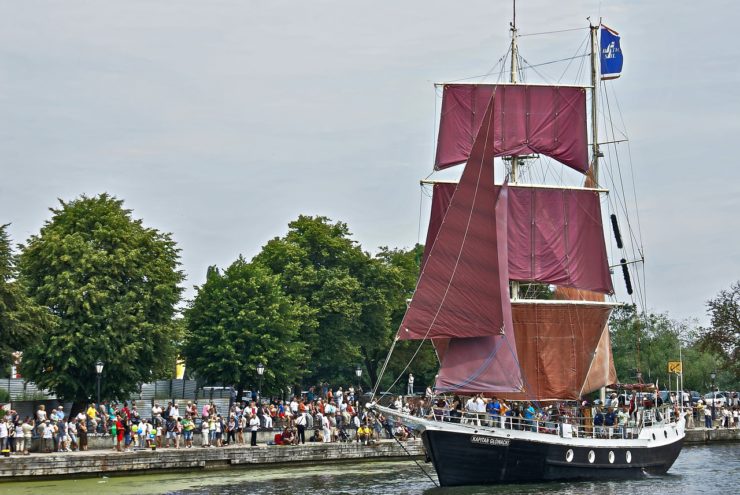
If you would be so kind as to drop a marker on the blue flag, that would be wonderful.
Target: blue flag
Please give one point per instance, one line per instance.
(611, 54)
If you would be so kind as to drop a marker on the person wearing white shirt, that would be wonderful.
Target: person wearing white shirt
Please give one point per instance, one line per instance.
(326, 426)
(3, 435)
(254, 425)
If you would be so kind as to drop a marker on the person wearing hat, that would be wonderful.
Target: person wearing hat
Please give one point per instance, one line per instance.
(610, 419)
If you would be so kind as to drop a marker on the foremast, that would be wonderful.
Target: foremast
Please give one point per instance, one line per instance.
(513, 176)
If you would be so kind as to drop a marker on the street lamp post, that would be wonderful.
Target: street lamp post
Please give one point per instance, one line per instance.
(358, 374)
(260, 372)
(99, 371)
(713, 376)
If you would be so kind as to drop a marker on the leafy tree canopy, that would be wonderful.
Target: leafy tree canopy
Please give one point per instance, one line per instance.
(20, 316)
(647, 342)
(356, 300)
(113, 285)
(723, 336)
(418, 355)
(240, 318)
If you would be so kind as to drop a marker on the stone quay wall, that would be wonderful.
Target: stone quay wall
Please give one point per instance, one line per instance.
(95, 463)
(705, 435)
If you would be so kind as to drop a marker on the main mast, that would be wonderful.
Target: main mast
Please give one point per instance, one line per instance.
(595, 153)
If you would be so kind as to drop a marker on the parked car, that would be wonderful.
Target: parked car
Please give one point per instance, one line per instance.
(694, 397)
(719, 397)
(664, 397)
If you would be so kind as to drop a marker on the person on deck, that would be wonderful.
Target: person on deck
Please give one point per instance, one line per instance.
(529, 414)
(610, 419)
(623, 418)
(503, 412)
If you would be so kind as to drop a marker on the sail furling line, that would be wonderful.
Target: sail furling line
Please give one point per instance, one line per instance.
(617, 233)
(626, 274)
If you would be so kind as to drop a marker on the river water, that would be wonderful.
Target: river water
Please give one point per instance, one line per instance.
(699, 469)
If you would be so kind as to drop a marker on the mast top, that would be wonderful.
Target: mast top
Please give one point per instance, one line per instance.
(514, 50)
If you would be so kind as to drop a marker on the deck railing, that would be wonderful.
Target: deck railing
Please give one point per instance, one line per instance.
(566, 426)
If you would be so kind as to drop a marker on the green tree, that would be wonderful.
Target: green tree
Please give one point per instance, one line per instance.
(356, 299)
(240, 318)
(20, 316)
(418, 355)
(723, 336)
(647, 342)
(113, 285)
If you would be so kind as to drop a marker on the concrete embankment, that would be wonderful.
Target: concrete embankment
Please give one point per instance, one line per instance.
(704, 435)
(94, 463)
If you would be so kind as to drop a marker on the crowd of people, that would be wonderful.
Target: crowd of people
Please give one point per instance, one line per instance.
(328, 416)
(615, 417)
(724, 415)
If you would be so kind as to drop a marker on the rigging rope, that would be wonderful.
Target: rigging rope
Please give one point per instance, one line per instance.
(552, 32)
(415, 461)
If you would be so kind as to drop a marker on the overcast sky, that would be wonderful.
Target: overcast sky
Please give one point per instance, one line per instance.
(221, 121)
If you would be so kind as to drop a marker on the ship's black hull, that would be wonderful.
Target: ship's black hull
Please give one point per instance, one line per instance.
(470, 459)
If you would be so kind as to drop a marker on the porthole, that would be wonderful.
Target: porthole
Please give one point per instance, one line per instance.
(611, 457)
(665, 433)
(569, 455)
(591, 456)
(653, 436)
(628, 457)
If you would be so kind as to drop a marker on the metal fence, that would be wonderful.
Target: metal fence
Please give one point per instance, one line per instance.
(20, 389)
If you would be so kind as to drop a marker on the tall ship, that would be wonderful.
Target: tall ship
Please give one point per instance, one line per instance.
(515, 290)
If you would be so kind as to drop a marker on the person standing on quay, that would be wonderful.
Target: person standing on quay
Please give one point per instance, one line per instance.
(707, 417)
(254, 425)
(3, 434)
(301, 424)
(410, 390)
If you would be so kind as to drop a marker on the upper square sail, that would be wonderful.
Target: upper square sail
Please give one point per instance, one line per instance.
(555, 236)
(550, 120)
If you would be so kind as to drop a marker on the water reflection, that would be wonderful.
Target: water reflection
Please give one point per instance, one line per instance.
(698, 469)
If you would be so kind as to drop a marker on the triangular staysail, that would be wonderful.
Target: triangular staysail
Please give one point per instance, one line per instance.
(602, 372)
(489, 363)
(455, 296)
